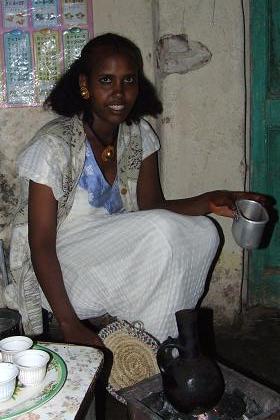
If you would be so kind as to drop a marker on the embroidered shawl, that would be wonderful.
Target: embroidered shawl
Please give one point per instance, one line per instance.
(67, 139)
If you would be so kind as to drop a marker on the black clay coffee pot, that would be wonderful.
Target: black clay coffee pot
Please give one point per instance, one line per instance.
(192, 382)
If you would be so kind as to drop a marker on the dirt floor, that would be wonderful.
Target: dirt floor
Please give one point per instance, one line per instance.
(253, 346)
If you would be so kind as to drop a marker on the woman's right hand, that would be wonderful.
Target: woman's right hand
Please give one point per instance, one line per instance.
(77, 333)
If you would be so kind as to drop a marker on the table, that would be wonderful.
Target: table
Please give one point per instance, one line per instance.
(76, 397)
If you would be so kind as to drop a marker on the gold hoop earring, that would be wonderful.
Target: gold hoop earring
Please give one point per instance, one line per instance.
(84, 92)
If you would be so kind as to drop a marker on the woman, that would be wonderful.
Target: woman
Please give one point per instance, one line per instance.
(102, 237)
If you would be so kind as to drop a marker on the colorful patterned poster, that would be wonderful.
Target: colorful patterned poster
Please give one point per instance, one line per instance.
(15, 14)
(2, 93)
(39, 39)
(73, 42)
(19, 71)
(74, 12)
(44, 13)
(47, 63)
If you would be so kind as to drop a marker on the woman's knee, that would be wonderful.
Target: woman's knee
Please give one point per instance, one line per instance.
(178, 232)
(173, 225)
(168, 223)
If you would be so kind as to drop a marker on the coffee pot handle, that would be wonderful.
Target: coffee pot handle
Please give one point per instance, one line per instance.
(162, 357)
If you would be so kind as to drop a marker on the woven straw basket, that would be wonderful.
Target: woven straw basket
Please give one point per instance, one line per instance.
(134, 353)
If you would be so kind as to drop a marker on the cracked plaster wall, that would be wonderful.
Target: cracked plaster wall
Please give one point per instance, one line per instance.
(202, 128)
(202, 125)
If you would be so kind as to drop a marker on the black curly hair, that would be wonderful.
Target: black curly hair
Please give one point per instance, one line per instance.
(65, 97)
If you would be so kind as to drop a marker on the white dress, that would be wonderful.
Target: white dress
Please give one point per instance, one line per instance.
(143, 265)
(138, 266)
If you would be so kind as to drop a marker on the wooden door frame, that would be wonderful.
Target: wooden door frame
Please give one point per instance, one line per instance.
(258, 130)
(264, 264)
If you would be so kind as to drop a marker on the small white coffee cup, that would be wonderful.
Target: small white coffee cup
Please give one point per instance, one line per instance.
(8, 374)
(32, 366)
(12, 345)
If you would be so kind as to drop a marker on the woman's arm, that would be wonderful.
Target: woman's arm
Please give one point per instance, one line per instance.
(150, 196)
(42, 226)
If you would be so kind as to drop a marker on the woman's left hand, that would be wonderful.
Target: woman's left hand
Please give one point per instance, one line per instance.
(222, 202)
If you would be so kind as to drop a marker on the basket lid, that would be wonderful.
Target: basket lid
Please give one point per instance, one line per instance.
(134, 353)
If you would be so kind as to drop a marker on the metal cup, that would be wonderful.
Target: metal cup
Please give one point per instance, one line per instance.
(249, 223)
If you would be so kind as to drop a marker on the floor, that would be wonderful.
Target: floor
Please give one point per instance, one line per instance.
(252, 347)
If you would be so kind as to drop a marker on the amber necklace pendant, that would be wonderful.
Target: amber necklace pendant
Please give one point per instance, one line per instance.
(108, 153)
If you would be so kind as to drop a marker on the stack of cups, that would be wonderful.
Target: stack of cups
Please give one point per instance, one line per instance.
(19, 360)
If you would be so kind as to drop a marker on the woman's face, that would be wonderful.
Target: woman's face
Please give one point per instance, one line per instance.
(113, 87)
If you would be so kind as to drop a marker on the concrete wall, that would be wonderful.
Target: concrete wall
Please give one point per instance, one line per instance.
(203, 124)
(202, 128)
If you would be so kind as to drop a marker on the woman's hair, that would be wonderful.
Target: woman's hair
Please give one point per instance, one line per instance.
(65, 97)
